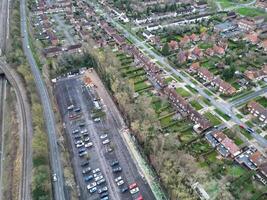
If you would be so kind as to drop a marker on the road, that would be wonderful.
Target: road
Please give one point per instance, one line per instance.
(26, 130)
(248, 97)
(4, 24)
(219, 104)
(2, 140)
(58, 186)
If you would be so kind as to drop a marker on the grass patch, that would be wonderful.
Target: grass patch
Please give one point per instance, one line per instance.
(213, 119)
(207, 92)
(183, 92)
(222, 114)
(193, 90)
(251, 12)
(196, 105)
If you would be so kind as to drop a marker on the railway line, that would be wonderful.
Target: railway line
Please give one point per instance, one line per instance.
(4, 24)
(26, 131)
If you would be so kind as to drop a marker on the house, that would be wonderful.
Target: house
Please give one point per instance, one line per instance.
(263, 169)
(226, 146)
(263, 44)
(76, 48)
(173, 45)
(218, 50)
(118, 39)
(223, 86)
(52, 51)
(245, 158)
(203, 36)
(182, 56)
(258, 111)
(252, 37)
(194, 67)
(261, 4)
(184, 40)
(205, 74)
(52, 37)
(194, 37)
(196, 53)
(256, 74)
(209, 52)
(147, 34)
(246, 24)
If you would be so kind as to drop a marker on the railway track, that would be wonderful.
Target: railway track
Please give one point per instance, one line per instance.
(4, 24)
(26, 134)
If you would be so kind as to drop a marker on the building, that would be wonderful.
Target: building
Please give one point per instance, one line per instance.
(256, 74)
(252, 38)
(223, 86)
(258, 111)
(246, 24)
(205, 74)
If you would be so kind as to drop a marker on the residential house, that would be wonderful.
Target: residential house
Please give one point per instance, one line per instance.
(218, 50)
(226, 146)
(252, 37)
(147, 34)
(182, 56)
(258, 111)
(263, 44)
(194, 67)
(196, 53)
(256, 74)
(193, 37)
(209, 52)
(246, 24)
(52, 51)
(262, 4)
(223, 86)
(184, 40)
(205, 74)
(52, 37)
(173, 45)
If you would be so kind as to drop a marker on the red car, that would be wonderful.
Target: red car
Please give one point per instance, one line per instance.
(140, 198)
(132, 186)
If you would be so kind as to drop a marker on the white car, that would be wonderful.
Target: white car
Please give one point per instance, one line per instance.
(98, 178)
(89, 144)
(106, 141)
(84, 131)
(86, 139)
(135, 190)
(79, 145)
(97, 119)
(96, 170)
(103, 136)
(78, 141)
(91, 185)
(121, 182)
(54, 177)
(97, 174)
(118, 179)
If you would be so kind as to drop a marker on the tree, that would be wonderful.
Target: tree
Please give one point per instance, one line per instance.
(228, 73)
(165, 50)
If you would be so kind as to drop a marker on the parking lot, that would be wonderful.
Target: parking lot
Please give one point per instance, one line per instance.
(103, 166)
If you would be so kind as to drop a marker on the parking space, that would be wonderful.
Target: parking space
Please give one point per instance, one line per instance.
(103, 166)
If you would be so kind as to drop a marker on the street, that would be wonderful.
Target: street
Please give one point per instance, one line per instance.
(49, 117)
(71, 91)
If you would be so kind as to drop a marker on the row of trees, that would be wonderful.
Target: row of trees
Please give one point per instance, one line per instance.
(41, 185)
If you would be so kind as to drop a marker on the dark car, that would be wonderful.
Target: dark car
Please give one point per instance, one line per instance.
(88, 178)
(117, 169)
(77, 137)
(101, 181)
(85, 163)
(82, 150)
(104, 194)
(78, 109)
(124, 189)
(113, 163)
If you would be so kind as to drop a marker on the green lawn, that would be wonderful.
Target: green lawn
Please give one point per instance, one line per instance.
(196, 105)
(141, 86)
(193, 90)
(251, 12)
(222, 114)
(207, 92)
(262, 101)
(213, 119)
(183, 92)
(169, 79)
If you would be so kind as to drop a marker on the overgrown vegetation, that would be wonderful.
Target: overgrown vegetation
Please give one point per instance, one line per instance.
(41, 185)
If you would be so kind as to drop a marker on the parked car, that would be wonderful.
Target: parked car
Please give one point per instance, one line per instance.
(84, 131)
(83, 164)
(139, 198)
(134, 191)
(86, 139)
(86, 170)
(96, 170)
(91, 185)
(89, 144)
(104, 194)
(97, 174)
(124, 189)
(117, 169)
(98, 178)
(75, 131)
(114, 162)
(79, 145)
(77, 137)
(132, 186)
(97, 119)
(70, 107)
(78, 109)
(106, 141)
(83, 153)
(105, 198)
(121, 182)
(88, 178)
(118, 178)
(101, 181)
(82, 149)
(78, 141)
(103, 136)
(103, 189)
(92, 190)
